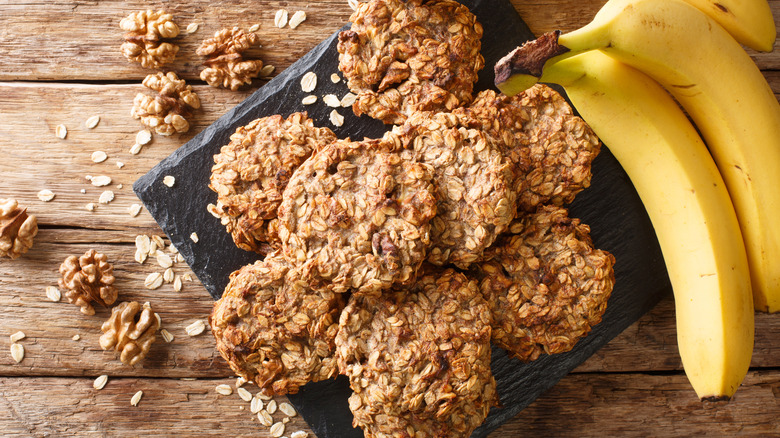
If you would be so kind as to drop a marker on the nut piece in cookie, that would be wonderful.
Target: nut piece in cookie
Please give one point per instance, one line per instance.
(358, 216)
(546, 283)
(225, 65)
(418, 360)
(167, 112)
(145, 38)
(129, 332)
(274, 329)
(474, 185)
(251, 172)
(86, 279)
(551, 148)
(17, 229)
(405, 56)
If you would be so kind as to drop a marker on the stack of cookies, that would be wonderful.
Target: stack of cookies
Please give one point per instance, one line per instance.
(397, 261)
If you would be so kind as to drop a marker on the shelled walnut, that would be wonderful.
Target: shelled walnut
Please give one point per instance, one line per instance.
(167, 112)
(129, 332)
(225, 64)
(86, 279)
(17, 229)
(144, 38)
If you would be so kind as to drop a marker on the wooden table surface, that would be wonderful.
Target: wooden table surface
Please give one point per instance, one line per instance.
(61, 64)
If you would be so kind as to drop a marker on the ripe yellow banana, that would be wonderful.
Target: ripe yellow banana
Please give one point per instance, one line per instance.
(689, 206)
(718, 84)
(750, 22)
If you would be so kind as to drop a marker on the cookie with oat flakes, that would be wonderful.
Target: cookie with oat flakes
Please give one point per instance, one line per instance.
(251, 172)
(275, 329)
(474, 185)
(358, 216)
(418, 360)
(551, 148)
(403, 56)
(546, 283)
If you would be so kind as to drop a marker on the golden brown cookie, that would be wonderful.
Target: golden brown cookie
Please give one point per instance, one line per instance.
(405, 56)
(418, 360)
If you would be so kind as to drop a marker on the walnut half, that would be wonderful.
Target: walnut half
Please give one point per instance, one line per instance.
(144, 38)
(225, 64)
(17, 229)
(129, 332)
(86, 279)
(166, 112)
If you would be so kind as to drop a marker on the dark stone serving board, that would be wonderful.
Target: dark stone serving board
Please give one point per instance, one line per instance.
(610, 206)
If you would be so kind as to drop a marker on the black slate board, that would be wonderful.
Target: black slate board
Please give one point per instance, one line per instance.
(610, 206)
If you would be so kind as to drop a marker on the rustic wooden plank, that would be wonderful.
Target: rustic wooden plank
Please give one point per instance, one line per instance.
(581, 405)
(41, 407)
(66, 40)
(605, 405)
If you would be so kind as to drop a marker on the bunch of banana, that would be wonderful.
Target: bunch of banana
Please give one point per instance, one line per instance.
(726, 95)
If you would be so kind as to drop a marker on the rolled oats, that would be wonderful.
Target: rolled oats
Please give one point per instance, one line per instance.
(271, 407)
(46, 195)
(90, 206)
(256, 405)
(92, 122)
(251, 172)
(106, 197)
(244, 394)
(194, 237)
(546, 284)
(120, 164)
(136, 149)
(280, 19)
(16, 337)
(134, 210)
(195, 328)
(277, 429)
(265, 418)
(287, 409)
(61, 131)
(335, 78)
(299, 434)
(331, 100)
(53, 293)
(309, 82)
(401, 56)
(266, 71)
(177, 284)
(169, 180)
(273, 329)
(99, 157)
(17, 352)
(358, 216)
(403, 382)
(192, 28)
(100, 382)
(168, 275)
(336, 118)
(101, 180)
(136, 398)
(166, 335)
(76, 337)
(297, 18)
(223, 389)
(254, 28)
(153, 280)
(348, 100)
(308, 100)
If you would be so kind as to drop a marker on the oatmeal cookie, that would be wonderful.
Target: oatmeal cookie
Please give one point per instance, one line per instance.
(546, 284)
(251, 172)
(358, 216)
(474, 185)
(551, 147)
(274, 329)
(418, 360)
(402, 56)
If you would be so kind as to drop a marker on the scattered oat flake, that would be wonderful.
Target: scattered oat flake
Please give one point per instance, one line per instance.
(195, 328)
(271, 407)
(244, 394)
(134, 210)
(99, 156)
(309, 82)
(187, 276)
(17, 352)
(120, 164)
(100, 382)
(192, 27)
(136, 398)
(267, 70)
(46, 195)
(92, 122)
(280, 19)
(348, 100)
(143, 137)
(153, 280)
(119, 186)
(287, 409)
(297, 18)
(255, 27)
(76, 337)
(106, 197)
(335, 78)
(265, 418)
(240, 382)
(61, 131)
(177, 284)
(353, 4)
(299, 434)
(83, 191)
(156, 315)
(286, 420)
(18, 336)
(224, 389)
(194, 237)
(164, 260)
(169, 181)
(256, 405)
(331, 100)
(168, 275)
(90, 207)
(308, 100)
(277, 429)
(140, 256)
(336, 118)
(53, 293)
(101, 180)
(179, 259)
(167, 336)
(136, 149)
(263, 397)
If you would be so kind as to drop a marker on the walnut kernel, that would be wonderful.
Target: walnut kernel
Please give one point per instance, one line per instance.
(144, 40)
(167, 112)
(17, 229)
(86, 279)
(225, 64)
(130, 330)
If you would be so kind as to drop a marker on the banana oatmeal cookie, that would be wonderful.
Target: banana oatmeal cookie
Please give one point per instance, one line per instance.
(274, 329)
(551, 148)
(358, 216)
(402, 56)
(418, 360)
(251, 172)
(474, 185)
(546, 284)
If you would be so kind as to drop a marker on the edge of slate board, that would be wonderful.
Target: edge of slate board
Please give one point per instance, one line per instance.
(625, 231)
